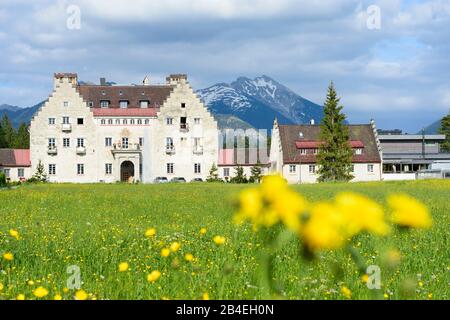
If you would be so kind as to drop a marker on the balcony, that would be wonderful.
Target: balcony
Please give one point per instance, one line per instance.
(198, 150)
(170, 149)
(126, 148)
(66, 127)
(81, 150)
(184, 127)
(52, 150)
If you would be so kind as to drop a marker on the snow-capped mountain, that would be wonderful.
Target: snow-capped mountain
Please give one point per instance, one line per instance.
(258, 101)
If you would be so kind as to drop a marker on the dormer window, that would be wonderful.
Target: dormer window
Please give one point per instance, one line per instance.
(90, 104)
(302, 151)
(120, 93)
(104, 104)
(123, 104)
(358, 151)
(144, 104)
(103, 92)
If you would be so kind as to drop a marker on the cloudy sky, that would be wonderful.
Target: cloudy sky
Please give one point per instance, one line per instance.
(397, 72)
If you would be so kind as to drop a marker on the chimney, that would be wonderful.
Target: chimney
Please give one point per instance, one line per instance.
(146, 81)
(312, 122)
(300, 135)
(102, 81)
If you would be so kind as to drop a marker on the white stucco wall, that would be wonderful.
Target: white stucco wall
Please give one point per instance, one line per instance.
(14, 172)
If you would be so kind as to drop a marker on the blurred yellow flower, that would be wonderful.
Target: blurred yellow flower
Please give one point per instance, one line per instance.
(65, 290)
(1, 286)
(30, 282)
(165, 252)
(40, 292)
(346, 292)
(189, 257)
(57, 297)
(219, 240)
(81, 295)
(20, 297)
(150, 232)
(365, 278)
(153, 276)
(324, 229)
(123, 266)
(409, 212)
(175, 246)
(14, 233)
(205, 296)
(202, 230)
(8, 256)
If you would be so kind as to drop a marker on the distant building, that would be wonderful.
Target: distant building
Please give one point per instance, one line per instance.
(230, 159)
(294, 150)
(406, 154)
(15, 164)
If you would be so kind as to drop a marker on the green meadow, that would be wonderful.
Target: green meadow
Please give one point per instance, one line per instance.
(96, 227)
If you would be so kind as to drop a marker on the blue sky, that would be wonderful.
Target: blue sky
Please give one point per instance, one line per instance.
(398, 74)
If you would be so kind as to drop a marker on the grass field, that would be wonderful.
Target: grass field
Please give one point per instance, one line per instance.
(96, 227)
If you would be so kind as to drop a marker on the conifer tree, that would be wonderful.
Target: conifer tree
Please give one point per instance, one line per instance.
(335, 153)
(213, 174)
(22, 140)
(445, 129)
(40, 174)
(239, 175)
(256, 173)
(9, 134)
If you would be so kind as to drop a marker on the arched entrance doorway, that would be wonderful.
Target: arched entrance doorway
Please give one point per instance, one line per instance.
(126, 171)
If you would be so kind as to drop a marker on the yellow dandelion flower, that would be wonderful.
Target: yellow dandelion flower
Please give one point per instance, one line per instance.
(1, 286)
(189, 257)
(165, 252)
(409, 212)
(20, 296)
(40, 292)
(219, 240)
(81, 295)
(365, 278)
(346, 292)
(30, 282)
(430, 296)
(153, 276)
(8, 256)
(150, 232)
(65, 290)
(123, 266)
(175, 246)
(386, 296)
(57, 297)
(420, 284)
(203, 231)
(205, 296)
(14, 233)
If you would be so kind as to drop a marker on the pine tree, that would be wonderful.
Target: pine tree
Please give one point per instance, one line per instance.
(213, 174)
(256, 172)
(2, 137)
(40, 174)
(445, 129)
(335, 153)
(239, 176)
(22, 137)
(9, 134)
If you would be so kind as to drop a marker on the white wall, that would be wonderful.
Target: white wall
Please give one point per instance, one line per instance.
(14, 172)
(398, 176)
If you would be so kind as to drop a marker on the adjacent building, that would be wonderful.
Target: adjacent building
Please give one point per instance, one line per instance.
(15, 164)
(294, 151)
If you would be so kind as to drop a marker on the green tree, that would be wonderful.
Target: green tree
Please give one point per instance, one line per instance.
(239, 176)
(445, 129)
(22, 137)
(335, 153)
(213, 174)
(40, 175)
(256, 172)
(2, 137)
(2, 179)
(9, 134)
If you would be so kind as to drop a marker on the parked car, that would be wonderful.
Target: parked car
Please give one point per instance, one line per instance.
(178, 179)
(197, 180)
(161, 180)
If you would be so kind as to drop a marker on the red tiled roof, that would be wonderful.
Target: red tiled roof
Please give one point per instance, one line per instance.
(15, 158)
(304, 144)
(361, 136)
(121, 112)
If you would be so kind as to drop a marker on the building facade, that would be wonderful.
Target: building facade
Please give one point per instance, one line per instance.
(15, 164)
(107, 133)
(294, 151)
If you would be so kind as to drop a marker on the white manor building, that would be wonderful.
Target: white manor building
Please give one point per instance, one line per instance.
(106, 133)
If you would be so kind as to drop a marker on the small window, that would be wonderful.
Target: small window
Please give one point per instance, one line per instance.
(103, 92)
(52, 169)
(169, 121)
(125, 143)
(144, 104)
(125, 121)
(7, 174)
(65, 120)
(312, 169)
(183, 105)
(141, 142)
(90, 104)
(147, 121)
(66, 142)
(292, 168)
(170, 168)
(108, 168)
(197, 168)
(80, 121)
(117, 121)
(110, 121)
(20, 172)
(80, 169)
(169, 142)
(302, 151)
(51, 142)
(120, 93)
(196, 120)
(370, 168)
(51, 121)
(358, 151)
(226, 172)
(108, 142)
(66, 103)
(104, 104)
(103, 121)
(132, 121)
(80, 142)
(139, 121)
(352, 168)
(123, 104)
